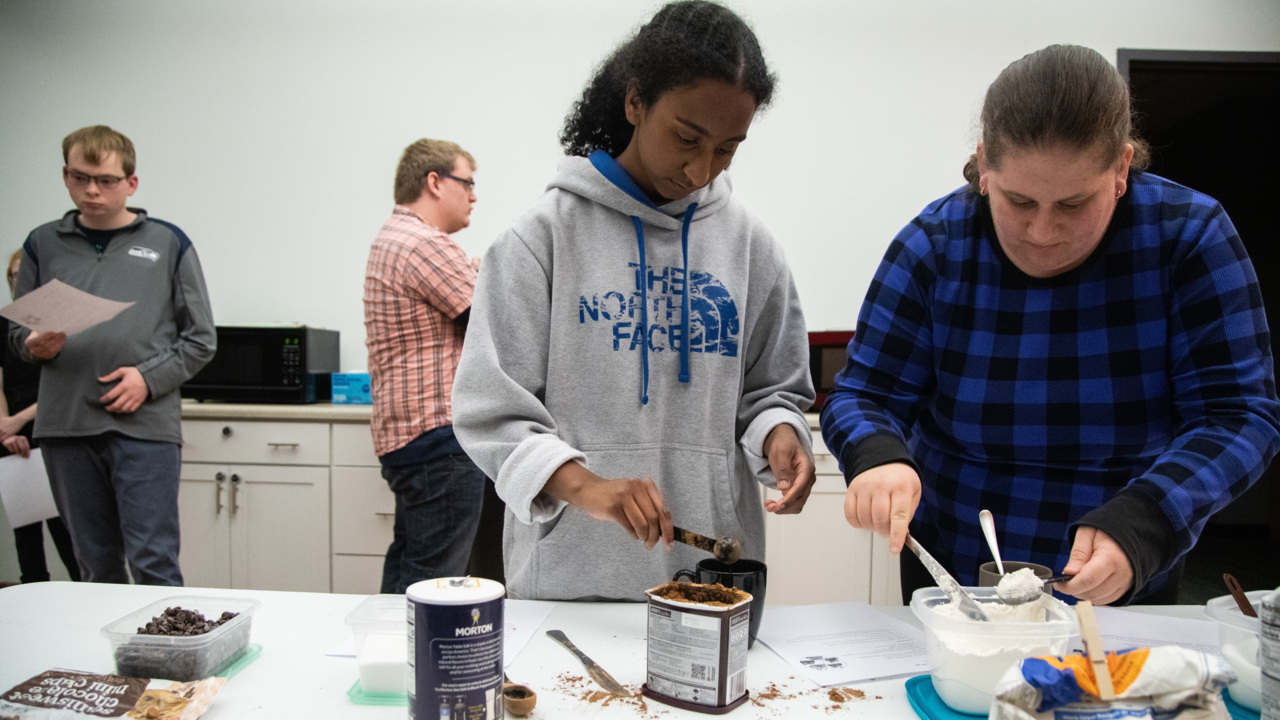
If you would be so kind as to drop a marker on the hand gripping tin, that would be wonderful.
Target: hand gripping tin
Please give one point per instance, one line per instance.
(455, 649)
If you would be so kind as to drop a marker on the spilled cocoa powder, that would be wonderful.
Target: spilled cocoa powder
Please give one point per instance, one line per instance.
(778, 699)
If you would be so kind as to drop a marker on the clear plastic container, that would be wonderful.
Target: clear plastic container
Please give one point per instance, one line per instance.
(380, 628)
(181, 658)
(1238, 635)
(968, 657)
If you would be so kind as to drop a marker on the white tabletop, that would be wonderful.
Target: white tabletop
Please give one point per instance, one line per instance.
(58, 625)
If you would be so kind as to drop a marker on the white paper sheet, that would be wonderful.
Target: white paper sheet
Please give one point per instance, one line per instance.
(840, 643)
(1124, 629)
(58, 307)
(24, 489)
(520, 620)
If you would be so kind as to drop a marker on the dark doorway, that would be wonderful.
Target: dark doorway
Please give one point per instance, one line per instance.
(1212, 119)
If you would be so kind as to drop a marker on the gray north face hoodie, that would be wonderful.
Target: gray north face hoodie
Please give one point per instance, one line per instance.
(576, 351)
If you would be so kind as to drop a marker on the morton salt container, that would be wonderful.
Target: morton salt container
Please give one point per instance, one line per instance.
(455, 649)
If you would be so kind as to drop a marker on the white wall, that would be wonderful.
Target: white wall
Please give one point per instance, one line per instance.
(269, 129)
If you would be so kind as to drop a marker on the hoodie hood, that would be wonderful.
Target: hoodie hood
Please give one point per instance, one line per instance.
(621, 193)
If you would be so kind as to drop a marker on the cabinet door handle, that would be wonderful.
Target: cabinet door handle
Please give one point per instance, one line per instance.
(220, 479)
(282, 445)
(235, 493)
(385, 514)
(226, 431)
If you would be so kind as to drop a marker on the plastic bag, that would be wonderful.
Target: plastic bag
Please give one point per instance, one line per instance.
(76, 695)
(1164, 683)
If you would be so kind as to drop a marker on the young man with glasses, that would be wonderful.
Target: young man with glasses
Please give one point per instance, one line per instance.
(110, 415)
(417, 298)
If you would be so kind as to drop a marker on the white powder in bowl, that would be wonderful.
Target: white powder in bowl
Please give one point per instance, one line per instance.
(384, 664)
(967, 666)
(1019, 584)
(1243, 658)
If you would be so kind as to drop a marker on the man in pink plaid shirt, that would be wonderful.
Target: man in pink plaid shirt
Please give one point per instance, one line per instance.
(417, 298)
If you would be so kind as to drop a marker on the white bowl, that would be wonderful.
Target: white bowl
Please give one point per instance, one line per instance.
(968, 657)
(1238, 636)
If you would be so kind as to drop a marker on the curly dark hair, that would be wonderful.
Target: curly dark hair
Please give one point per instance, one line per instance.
(685, 42)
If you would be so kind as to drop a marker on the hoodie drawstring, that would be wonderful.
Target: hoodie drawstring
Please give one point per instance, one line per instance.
(644, 311)
(684, 321)
(644, 302)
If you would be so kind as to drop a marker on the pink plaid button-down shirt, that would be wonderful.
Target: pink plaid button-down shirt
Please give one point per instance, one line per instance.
(417, 282)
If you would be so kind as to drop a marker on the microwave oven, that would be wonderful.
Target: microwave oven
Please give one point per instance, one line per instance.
(268, 364)
(828, 354)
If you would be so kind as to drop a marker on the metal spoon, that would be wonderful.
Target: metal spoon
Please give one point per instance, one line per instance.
(1009, 596)
(727, 550)
(988, 524)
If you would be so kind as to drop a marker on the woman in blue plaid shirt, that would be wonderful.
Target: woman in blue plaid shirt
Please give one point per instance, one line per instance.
(1068, 341)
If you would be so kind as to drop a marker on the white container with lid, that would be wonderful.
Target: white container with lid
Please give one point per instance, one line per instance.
(968, 657)
(1238, 638)
(182, 658)
(380, 629)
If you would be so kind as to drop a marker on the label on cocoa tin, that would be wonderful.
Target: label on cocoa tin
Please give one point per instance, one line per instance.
(697, 657)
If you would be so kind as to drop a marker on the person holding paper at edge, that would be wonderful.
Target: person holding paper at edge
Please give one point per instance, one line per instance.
(17, 418)
(109, 421)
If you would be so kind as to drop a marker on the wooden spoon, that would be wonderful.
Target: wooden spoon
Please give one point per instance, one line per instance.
(518, 699)
(1237, 592)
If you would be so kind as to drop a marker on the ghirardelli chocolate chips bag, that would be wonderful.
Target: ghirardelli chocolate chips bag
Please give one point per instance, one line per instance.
(74, 695)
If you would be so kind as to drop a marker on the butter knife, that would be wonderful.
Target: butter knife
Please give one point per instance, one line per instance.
(949, 585)
(597, 673)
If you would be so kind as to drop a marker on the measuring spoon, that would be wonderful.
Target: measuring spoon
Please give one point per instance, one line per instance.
(988, 524)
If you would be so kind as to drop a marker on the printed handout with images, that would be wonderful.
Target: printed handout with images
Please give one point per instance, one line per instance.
(840, 643)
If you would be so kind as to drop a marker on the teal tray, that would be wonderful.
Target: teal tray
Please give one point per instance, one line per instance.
(924, 699)
(360, 697)
(251, 653)
(1238, 711)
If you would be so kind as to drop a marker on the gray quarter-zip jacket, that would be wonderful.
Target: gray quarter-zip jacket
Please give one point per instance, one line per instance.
(168, 334)
(575, 351)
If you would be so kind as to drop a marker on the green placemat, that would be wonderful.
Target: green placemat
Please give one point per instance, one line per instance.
(251, 653)
(360, 697)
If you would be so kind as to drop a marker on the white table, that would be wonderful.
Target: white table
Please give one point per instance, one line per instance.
(57, 625)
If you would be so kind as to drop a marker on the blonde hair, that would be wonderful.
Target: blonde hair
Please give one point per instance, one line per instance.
(422, 158)
(98, 141)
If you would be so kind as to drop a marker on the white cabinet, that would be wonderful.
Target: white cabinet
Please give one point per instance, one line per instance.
(254, 505)
(364, 510)
(815, 557)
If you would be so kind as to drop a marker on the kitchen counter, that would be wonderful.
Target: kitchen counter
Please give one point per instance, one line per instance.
(57, 625)
(315, 412)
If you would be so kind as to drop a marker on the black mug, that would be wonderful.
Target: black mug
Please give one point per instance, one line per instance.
(747, 575)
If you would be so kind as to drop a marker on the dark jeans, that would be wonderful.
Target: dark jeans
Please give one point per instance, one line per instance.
(29, 540)
(119, 499)
(914, 576)
(486, 551)
(438, 506)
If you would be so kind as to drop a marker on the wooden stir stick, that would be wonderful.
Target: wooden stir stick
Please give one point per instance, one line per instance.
(1093, 649)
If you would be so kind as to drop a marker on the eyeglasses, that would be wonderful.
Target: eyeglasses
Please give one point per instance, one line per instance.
(79, 179)
(468, 185)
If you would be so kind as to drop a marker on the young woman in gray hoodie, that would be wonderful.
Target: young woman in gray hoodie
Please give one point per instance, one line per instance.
(636, 356)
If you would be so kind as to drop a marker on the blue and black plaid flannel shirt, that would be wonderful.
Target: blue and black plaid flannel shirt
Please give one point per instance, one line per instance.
(1141, 380)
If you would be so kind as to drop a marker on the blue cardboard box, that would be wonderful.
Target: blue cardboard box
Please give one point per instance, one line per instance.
(351, 388)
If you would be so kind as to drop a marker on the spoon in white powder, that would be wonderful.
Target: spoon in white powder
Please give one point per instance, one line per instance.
(1023, 586)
